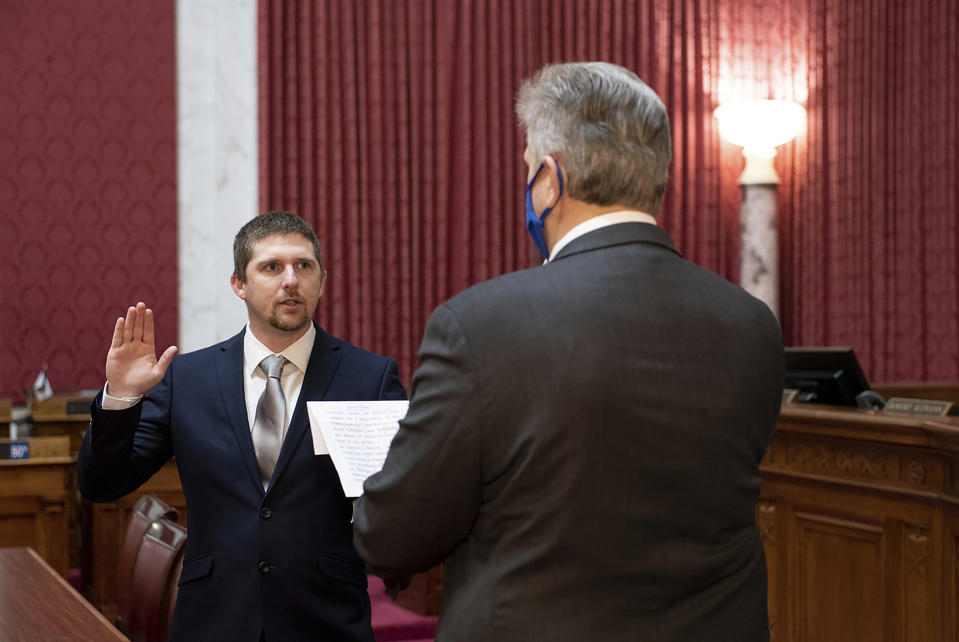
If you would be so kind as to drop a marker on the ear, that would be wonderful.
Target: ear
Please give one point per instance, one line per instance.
(322, 284)
(552, 170)
(239, 287)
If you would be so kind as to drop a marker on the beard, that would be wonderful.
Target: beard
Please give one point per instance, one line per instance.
(288, 324)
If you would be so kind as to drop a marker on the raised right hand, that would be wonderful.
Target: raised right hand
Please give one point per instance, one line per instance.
(132, 366)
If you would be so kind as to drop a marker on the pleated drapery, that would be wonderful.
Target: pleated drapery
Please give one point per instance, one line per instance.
(870, 239)
(389, 125)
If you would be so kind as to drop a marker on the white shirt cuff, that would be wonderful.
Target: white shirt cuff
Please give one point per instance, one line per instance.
(117, 403)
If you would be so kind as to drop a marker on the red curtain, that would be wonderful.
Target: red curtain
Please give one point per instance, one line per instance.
(390, 126)
(871, 237)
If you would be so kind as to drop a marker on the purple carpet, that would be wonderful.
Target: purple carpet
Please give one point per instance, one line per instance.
(392, 623)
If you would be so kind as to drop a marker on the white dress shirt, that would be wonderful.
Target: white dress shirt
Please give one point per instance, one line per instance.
(254, 381)
(597, 222)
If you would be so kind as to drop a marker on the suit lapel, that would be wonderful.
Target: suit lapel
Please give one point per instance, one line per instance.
(324, 360)
(229, 373)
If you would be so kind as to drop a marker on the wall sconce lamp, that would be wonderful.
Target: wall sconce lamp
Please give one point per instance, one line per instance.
(759, 126)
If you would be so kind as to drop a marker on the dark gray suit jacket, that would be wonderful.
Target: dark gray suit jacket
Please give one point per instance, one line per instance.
(582, 449)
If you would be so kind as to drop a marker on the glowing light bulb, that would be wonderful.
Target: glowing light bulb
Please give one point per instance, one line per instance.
(759, 126)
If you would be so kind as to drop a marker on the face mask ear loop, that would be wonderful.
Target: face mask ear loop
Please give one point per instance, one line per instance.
(534, 221)
(559, 175)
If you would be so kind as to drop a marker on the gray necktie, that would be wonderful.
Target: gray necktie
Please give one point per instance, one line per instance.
(270, 413)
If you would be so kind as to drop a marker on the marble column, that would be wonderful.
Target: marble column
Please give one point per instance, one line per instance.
(216, 160)
(759, 257)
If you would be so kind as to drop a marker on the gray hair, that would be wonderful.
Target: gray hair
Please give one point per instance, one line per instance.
(606, 126)
(260, 227)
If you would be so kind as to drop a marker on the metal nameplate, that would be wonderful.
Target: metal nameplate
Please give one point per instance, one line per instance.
(81, 407)
(923, 407)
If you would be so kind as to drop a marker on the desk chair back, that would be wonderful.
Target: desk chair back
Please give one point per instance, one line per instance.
(155, 574)
(147, 510)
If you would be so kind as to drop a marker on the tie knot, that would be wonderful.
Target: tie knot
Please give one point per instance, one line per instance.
(272, 366)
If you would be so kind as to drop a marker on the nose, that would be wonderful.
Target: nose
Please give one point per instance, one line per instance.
(289, 277)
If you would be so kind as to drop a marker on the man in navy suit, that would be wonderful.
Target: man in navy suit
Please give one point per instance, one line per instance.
(269, 554)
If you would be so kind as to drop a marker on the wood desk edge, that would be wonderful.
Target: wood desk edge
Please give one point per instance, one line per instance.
(38, 461)
(61, 418)
(871, 425)
(89, 607)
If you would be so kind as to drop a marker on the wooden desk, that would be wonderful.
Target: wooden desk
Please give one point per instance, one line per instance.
(56, 425)
(35, 498)
(941, 390)
(65, 413)
(38, 604)
(859, 514)
(5, 408)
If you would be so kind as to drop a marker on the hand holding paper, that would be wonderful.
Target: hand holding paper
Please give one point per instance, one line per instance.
(357, 435)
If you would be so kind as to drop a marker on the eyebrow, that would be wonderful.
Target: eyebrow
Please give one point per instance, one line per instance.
(307, 259)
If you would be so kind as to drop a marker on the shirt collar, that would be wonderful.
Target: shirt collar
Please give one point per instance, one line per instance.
(597, 222)
(297, 353)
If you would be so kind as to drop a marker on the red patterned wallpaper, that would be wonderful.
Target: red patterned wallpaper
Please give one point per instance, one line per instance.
(87, 182)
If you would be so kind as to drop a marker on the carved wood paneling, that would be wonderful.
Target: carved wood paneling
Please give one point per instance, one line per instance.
(766, 520)
(954, 477)
(837, 563)
(916, 582)
(917, 551)
(914, 471)
(908, 470)
(953, 595)
(820, 458)
(867, 531)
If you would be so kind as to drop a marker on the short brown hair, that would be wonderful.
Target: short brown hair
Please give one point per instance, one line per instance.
(264, 225)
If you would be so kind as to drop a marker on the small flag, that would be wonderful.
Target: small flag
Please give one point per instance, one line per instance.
(42, 390)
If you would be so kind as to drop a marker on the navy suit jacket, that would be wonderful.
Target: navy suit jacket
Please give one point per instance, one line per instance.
(280, 561)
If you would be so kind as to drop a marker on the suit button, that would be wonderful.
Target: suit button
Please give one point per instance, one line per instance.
(264, 568)
(266, 513)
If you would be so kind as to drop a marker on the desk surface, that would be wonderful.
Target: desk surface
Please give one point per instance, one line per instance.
(36, 604)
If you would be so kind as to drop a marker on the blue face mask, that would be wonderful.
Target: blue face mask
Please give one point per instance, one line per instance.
(534, 223)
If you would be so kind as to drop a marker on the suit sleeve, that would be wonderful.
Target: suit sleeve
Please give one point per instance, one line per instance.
(122, 449)
(391, 388)
(416, 510)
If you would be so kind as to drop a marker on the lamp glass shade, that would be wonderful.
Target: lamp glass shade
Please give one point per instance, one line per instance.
(757, 125)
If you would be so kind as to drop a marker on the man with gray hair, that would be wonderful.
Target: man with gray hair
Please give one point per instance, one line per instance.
(583, 442)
